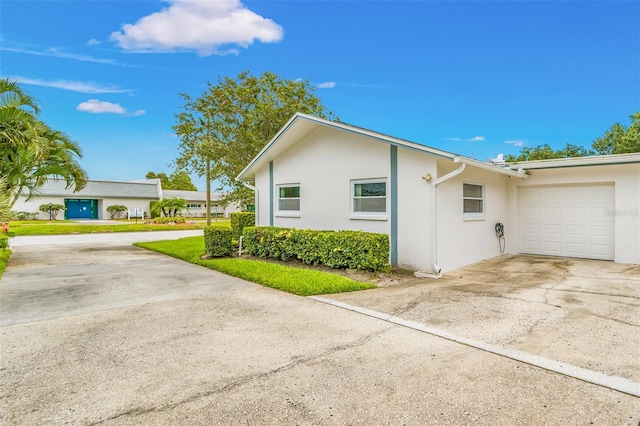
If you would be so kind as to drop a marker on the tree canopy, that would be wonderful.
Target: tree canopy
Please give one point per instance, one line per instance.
(178, 180)
(30, 150)
(223, 129)
(619, 139)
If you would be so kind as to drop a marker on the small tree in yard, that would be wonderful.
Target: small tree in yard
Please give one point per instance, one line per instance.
(116, 211)
(170, 207)
(53, 209)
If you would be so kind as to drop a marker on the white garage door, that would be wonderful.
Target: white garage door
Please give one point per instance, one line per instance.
(571, 220)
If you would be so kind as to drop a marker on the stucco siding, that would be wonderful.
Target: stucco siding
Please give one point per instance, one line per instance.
(262, 197)
(414, 233)
(626, 181)
(463, 240)
(324, 164)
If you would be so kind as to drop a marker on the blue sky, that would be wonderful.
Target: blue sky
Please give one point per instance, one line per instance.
(477, 78)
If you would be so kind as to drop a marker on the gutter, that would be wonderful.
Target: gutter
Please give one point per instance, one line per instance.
(434, 220)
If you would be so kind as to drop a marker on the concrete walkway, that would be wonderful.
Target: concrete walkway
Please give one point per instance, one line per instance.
(101, 332)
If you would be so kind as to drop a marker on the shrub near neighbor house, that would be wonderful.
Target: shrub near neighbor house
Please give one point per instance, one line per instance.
(116, 211)
(240, 220)
(217, 241)
(337, 249)
(53, 209)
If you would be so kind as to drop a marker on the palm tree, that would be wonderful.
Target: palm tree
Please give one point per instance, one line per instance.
(30, 150)
(170, 207)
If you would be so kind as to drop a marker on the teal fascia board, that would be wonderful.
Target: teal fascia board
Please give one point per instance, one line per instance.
(393, 236)
(271, 193)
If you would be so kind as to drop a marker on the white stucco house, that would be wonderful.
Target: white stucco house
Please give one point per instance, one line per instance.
(92, 201)
(440, 209)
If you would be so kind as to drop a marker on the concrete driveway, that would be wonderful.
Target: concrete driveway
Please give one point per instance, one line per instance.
(111, 334)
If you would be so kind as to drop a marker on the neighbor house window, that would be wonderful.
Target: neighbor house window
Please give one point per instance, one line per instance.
(369, 197)
(473, 199)
(289, 198)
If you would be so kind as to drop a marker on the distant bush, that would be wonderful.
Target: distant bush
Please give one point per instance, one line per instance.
(116, 211)
(336, 249)
(154, 211)
(53, 208)
(166, 219)
(218, 241)
(26, 215)
(240, 220)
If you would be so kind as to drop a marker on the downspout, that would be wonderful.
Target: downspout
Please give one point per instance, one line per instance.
(434, 219)
(256, 197)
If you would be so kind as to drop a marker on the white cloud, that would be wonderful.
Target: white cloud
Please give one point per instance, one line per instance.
(473, 139)
(515, 142)
(74, 86)
(96, 106)
(55, 52)
(201, 26)
(93, 42)
(327, 85)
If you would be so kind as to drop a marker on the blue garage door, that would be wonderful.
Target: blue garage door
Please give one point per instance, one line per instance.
(81, 209)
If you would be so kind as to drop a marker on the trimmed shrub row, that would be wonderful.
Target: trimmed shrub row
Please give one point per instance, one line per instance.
(217, 241)
(336, 249)
(168, 219)
(240, 220)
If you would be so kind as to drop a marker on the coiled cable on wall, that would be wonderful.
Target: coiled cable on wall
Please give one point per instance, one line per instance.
(502, 243)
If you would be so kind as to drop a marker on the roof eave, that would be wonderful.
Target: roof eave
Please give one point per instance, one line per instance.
(599, 160)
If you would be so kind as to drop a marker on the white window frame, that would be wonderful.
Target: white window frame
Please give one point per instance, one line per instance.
(369, 215)
(288, 213)
(474, 215)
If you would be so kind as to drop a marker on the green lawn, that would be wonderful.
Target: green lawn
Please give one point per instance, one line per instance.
(59, 227)
(4, 257)
(300, 281)
(40, 227)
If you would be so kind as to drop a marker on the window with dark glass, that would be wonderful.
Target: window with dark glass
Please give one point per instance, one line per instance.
(370, 197)
(473, 199)
(289, 198)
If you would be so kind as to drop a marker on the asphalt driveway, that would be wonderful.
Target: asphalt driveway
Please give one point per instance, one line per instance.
(108, 333)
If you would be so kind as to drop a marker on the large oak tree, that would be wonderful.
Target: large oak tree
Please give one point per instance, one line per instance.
(226, 126)
(619, 139)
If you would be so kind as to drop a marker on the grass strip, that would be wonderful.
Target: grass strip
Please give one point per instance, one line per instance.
(61, 228)
(4, 258)
(303, 282)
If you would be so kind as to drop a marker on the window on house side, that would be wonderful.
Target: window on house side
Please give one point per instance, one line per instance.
(473, 199)
(369, 197)
(289, 198)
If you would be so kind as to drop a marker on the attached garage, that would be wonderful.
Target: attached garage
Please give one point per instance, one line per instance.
(568, 220)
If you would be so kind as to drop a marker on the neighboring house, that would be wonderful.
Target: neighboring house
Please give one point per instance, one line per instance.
(197, 203)
(440, 209)
(92, 201)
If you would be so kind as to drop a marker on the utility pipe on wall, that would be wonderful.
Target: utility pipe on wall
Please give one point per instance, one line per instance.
(256, 197)
(434, 219)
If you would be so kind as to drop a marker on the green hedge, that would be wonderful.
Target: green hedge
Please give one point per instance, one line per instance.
(337, 249)
(217, 241)
(240, 220)
(169, 219)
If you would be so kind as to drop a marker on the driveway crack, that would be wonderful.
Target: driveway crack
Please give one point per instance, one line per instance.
(248, 379)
